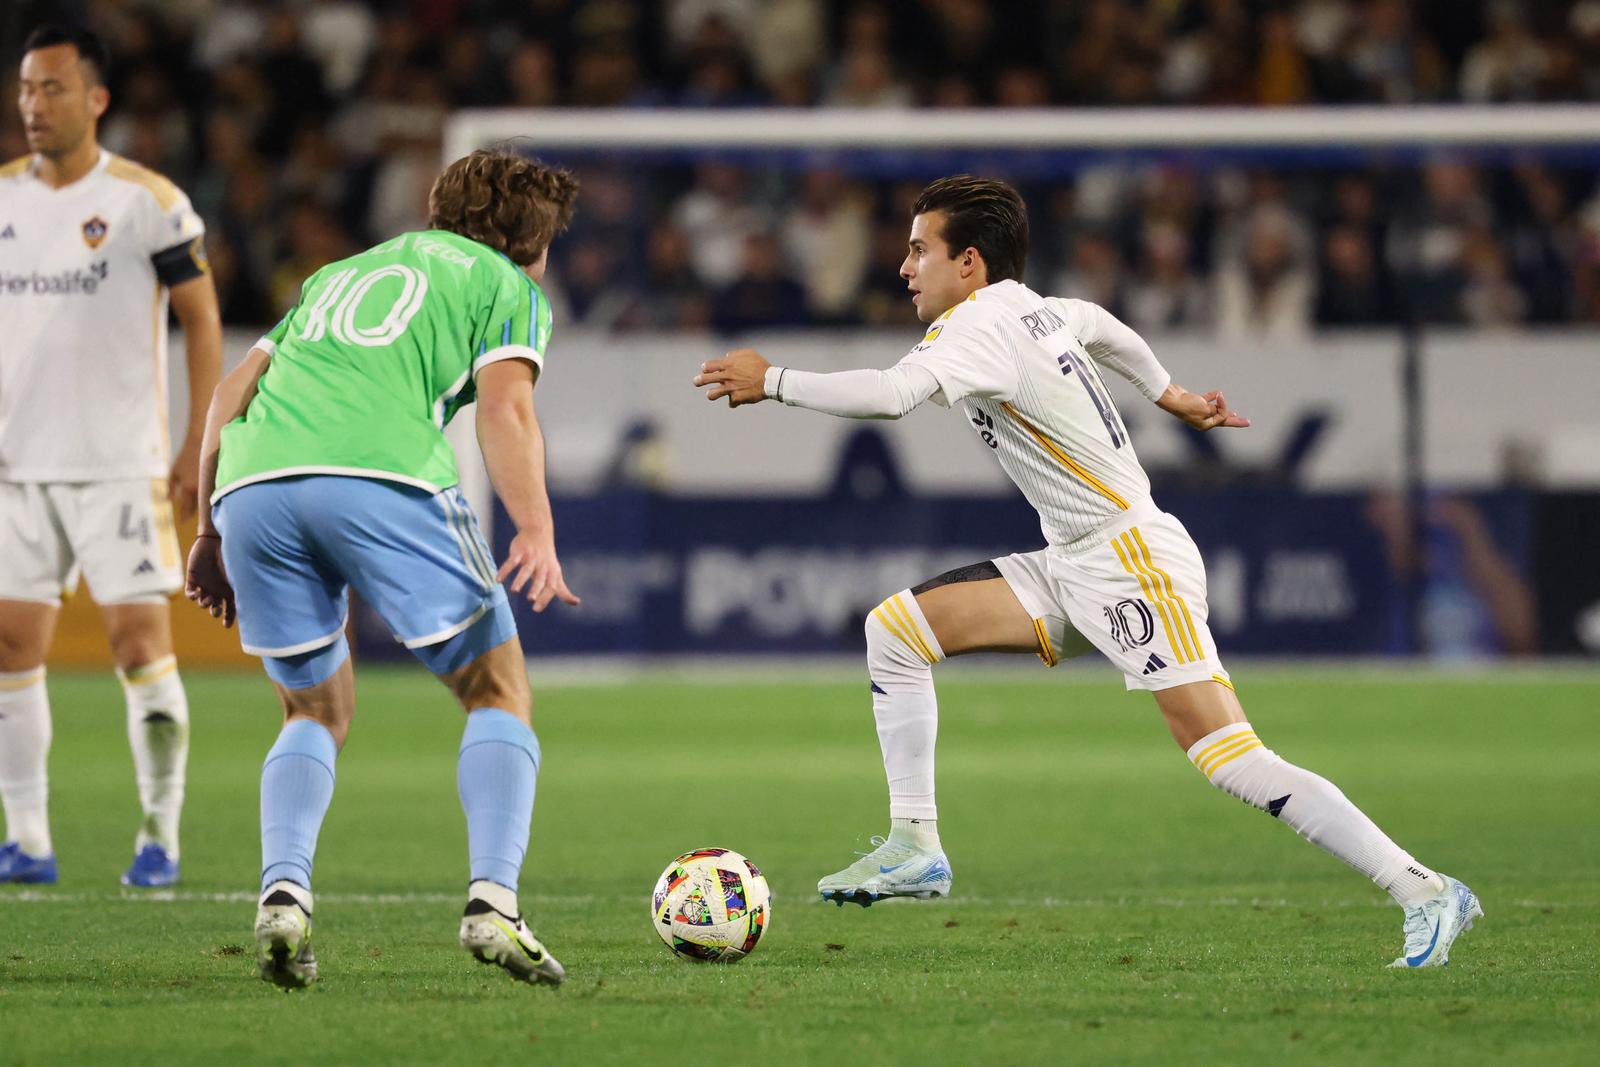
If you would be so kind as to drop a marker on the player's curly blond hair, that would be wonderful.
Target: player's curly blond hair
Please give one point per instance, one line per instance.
(512, 204)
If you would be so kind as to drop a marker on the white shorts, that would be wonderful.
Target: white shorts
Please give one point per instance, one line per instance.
(119, 534)
(1138, 595)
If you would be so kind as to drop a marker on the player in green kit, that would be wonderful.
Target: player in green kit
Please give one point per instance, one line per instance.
(325, 466)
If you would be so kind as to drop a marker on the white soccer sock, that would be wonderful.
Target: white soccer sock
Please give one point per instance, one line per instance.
(921, 834)
(158, 733)
(901, 652)
(1236, 762)
(24, 757)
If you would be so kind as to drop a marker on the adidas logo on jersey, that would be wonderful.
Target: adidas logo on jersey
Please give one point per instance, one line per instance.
(1153, 664)
(144, 567)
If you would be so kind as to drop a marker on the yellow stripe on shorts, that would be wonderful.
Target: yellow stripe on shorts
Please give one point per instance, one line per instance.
(1150, 595)
(1199, 649)
(1046, 653)
(1163, 589)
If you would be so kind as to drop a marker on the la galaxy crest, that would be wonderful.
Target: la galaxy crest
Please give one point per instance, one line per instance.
(94, 231)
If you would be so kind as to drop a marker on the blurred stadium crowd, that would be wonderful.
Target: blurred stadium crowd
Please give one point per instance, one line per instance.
(305, 130)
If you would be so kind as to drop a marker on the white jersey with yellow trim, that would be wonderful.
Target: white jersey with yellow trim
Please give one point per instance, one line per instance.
(83, 299)
(1021, 366)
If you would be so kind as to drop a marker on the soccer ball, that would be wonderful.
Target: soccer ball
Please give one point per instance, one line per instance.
(711, 904)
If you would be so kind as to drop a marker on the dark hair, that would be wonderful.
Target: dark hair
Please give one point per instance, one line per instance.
(512, 204)
(91, 49)
(982, 213)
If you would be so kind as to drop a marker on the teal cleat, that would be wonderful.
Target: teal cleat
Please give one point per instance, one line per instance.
(1432, 926)
(891, 869)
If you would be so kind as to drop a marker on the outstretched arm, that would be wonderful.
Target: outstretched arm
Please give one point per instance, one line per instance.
(1114, 345)
(744, 377)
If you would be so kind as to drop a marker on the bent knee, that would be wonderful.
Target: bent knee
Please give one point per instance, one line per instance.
(892, 633)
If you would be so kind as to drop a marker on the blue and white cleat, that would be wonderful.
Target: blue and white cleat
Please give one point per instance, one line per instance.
(1432, 926)
(891, 869)
(152, 869)
(19, 867)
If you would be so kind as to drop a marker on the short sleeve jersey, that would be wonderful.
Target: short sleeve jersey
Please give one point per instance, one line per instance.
(377, 357)
(1036, 398)
(84, 273)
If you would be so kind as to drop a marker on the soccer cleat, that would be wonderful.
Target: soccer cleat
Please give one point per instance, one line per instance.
(1432, 926)
(19, 867)
(283, 936)
(891, 869)
(152, 868)
(494, 937)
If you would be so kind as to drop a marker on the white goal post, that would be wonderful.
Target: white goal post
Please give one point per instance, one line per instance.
(1439, 126)
(1185, 130)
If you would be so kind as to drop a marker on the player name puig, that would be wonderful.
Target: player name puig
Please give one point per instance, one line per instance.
(63, 283)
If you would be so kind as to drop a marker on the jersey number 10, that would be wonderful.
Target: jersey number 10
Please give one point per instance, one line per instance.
(340, 300)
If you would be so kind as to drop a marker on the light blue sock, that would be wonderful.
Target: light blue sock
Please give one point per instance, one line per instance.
(296, 787)
(498, 766)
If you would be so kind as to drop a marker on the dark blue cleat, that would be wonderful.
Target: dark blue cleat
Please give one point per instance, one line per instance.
(152, 869)
(19, 867)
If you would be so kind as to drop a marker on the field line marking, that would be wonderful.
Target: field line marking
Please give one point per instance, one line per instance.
(183, 896)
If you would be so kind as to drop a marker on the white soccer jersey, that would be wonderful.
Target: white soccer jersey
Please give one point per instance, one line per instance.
(83, 302)
(1033, 393)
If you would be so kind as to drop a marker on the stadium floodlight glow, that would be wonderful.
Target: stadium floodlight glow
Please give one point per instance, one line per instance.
(1365, 127)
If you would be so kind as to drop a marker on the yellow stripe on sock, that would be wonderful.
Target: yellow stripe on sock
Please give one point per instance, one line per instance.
(1217, 758)
(150, 672)
(904, 615)
(1230, 757)
(1230, 739)
(22, 680)
(1150, 595)
(1200, 652)
(894, 627)
(881, 612)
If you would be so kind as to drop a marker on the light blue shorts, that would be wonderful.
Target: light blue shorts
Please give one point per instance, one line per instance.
(293, 546)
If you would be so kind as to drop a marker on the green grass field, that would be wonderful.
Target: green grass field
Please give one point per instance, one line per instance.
(1108, 906)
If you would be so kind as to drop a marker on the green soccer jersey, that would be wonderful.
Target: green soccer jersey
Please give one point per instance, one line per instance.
(377, 357)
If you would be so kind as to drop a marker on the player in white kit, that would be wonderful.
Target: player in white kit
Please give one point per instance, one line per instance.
(91, 248)
(1118, 574)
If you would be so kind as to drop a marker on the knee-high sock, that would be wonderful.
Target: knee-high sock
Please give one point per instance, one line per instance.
(158, 733)
(1236, 762)
(901, 652)
(296, 788)
(24, 756)
(495, 776)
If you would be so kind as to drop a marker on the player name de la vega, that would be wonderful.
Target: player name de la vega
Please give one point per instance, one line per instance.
(61, 283)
